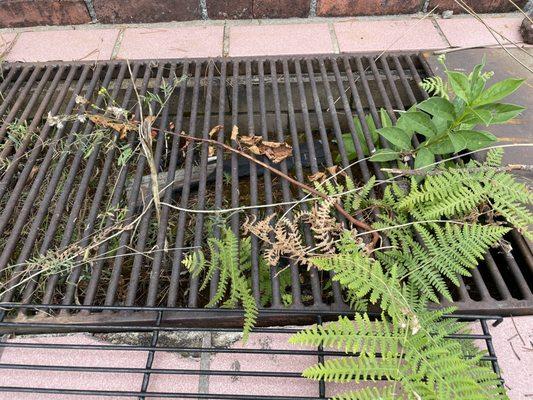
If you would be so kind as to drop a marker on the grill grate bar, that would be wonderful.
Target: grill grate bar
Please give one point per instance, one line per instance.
(54, 195)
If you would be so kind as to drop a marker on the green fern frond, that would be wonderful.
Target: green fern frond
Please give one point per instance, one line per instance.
(359, 336)
(354, 369)
(494, 157)
(231, 261)
(436, 86)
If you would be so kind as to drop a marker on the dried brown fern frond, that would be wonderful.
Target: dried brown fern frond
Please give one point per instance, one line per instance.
(284, 238)
(325, 227)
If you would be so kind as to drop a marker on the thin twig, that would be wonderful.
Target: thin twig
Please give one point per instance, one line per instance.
(422, 172)
(469, 10)
(522, 11)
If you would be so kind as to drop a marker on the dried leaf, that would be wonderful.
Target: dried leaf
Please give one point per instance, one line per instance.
(255, 150)
(276, 152)
(214, 130)
(234, 132)
(121, 127)
(150, 119)
(332, 170)
(250, 140)
(211, 150)
(319, 176)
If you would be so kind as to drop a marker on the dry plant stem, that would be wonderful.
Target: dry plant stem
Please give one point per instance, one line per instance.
(310, 189)
(422, 172)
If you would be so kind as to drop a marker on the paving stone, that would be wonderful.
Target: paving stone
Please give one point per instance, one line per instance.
(64, 45)
(279, 39)
(391, 35)
(467, 32)
(182, 42)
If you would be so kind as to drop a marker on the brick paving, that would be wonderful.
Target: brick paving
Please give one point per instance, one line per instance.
(244, 38)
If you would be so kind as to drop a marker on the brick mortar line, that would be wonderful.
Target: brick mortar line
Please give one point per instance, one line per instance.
(312, 8)
(225, 40)
(118, 43)
(205, 363)
(440, 32)
(333, 37)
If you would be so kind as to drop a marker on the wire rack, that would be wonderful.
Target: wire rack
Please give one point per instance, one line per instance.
(155, 360)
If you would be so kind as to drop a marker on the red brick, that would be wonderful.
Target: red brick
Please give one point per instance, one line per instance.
(281, 8)
(341, 8)
(229, 9)
(15, 13)
(130, 11)
(485, 6)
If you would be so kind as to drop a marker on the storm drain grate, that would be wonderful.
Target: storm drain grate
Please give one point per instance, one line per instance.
(155, 360)
(63, 185)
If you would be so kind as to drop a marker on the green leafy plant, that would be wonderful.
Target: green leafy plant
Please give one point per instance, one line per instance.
(446, 123)
(438, 224)
(231, 260)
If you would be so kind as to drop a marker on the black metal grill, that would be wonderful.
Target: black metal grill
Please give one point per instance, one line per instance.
(133, 361)
(55, 193)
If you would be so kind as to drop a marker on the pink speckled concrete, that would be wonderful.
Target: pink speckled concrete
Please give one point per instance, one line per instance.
(67, 379)
(393, 35)
(6, 40)
(64, 45)
(183, 42)
(517, 369)
(279, 39)
(467, 32)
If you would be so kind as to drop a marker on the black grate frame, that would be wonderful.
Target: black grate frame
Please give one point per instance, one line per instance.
(54, 193)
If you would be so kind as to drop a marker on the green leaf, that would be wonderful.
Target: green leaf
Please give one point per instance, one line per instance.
(476, 140)
(397, 137)
(438, 107)
(423, 158)
(416, 121)
(349, 146)
(440, 123)
(444, 146)
(460, 84)
(501, 112)
(484, 115)
(458, 141)
(498, 91)
(385, 155)
(386, 122)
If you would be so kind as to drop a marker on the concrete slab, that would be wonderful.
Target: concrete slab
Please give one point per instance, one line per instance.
(513, 344)
(393, 35)
(184, 42)
(64, 45)
(469, 32)
(279, 40)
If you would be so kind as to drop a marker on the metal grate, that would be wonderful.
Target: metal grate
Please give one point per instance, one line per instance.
(60, 186)
(159, 360)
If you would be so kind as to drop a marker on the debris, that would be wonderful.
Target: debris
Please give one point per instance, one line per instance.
(526, 29)
(234, 132)
(216, 129)
(274, 151)
(121, 127)
(317, 177)
(447, 14)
